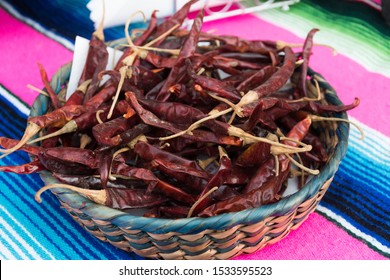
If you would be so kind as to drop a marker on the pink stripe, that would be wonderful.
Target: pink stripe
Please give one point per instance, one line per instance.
(22, 47)
(348, 78)
(316, 239)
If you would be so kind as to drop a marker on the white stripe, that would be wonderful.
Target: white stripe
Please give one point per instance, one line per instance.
(371, 240)
(30, 249)
(16, 102)
(378, 141)
(6, 253)
(61, 40)
(13, 245)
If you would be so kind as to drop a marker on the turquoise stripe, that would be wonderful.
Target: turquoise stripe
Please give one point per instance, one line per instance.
(9, 247)
(362, 180)
(17, 242)
(21, 231)
(68, 236)
(32, 222)
(2, 256)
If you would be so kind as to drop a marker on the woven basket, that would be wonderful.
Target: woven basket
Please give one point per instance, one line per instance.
(219, 237)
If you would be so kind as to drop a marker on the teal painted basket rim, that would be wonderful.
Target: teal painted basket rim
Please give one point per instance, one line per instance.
(195, 225)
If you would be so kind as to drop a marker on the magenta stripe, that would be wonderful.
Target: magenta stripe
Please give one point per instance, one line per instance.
(17, 71)
(318, 239)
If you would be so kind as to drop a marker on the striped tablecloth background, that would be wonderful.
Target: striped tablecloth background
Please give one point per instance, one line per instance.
(351, 222)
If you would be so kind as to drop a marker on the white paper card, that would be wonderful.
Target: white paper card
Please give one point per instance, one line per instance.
(79, 58)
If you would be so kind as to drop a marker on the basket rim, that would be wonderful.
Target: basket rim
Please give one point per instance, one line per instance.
(197, 224)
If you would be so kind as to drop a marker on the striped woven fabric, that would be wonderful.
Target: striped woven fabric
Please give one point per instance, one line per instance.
(352, 220)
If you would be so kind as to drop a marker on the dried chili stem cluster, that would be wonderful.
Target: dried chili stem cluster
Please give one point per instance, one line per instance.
(188, 123)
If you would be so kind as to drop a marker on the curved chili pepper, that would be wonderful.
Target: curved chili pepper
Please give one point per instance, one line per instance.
(9, 143)
(280, 77)
(306, 52)
(45, 80)
(27, 168)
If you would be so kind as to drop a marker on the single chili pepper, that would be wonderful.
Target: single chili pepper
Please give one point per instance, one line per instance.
(235, 80)
(280, 77)
(8, 143)
(306, 52)
(117, 198)
(179, 70)
(226, 63)
(108, 133)
(54, 164)
(216, 86)
(27, 168)
(149, 152)
(255, 155)
(318, 150)
(71, 154)
(217, 180)
(256, 79)
(176, 19)
(77, 97)
(97, 59)
(45, 80)
(154, 182)
(95, 183)
(187, 175)
(181, 114)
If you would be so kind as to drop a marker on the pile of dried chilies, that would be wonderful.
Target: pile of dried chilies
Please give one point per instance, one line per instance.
(188, 123)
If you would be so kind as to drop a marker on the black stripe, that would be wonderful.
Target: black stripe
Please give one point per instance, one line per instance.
(376, 249)
(331, 201)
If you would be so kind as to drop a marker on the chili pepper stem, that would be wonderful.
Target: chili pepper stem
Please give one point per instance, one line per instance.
(301, 166)
(200, 200)
(30, 131)
(99, 31)
(281, 44)
(37, 90)
(249, 139)
(84, 140)
(98, 196)
(315, 118)
(69, 127)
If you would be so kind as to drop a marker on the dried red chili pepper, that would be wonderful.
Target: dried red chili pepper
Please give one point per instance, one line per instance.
(27, 168)
(118, 198)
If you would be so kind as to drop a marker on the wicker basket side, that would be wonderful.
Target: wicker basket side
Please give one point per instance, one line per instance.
(208, 244)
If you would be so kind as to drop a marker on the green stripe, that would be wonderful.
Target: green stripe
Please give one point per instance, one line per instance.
(353, 29)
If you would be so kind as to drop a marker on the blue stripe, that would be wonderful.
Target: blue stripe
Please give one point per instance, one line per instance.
(350, 166)
(366, 192)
